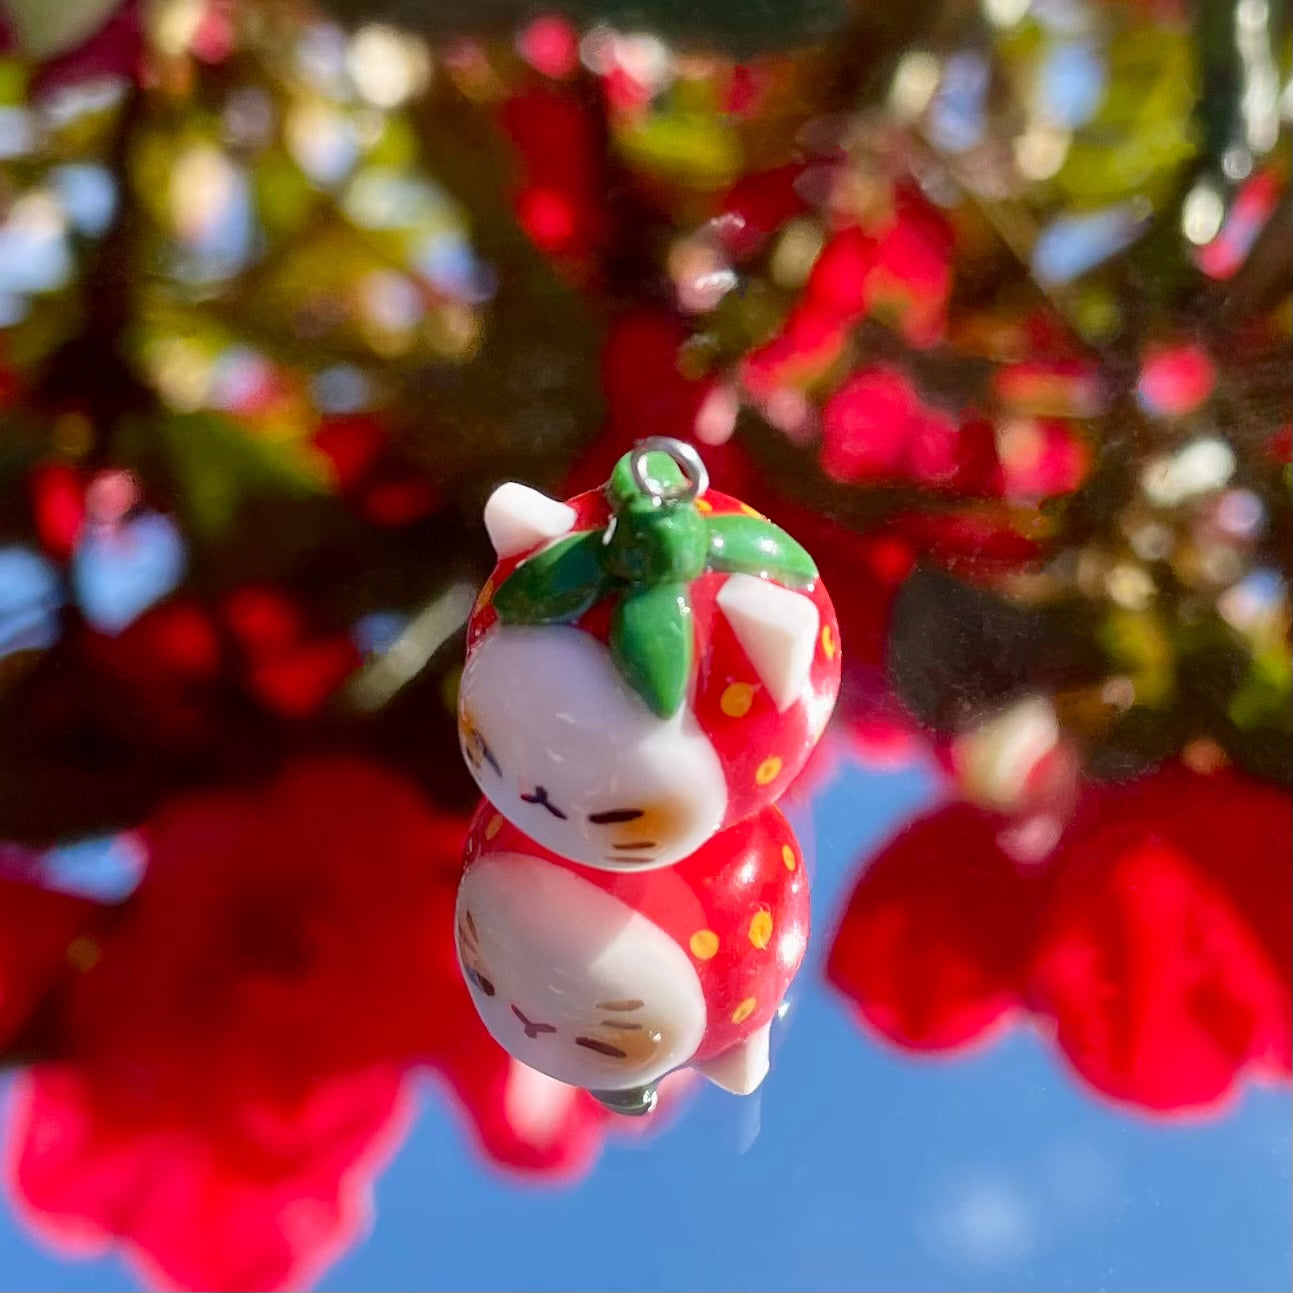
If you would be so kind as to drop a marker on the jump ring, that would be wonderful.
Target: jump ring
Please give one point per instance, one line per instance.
(695, 477)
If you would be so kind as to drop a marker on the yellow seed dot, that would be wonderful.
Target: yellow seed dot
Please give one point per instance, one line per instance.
(768, 770)
(788, 857)
(736, 699)
(828, 641)
(744, 1010)
(761, 929)
(704, 943)
(485, 594)
(493, 826)
(749, 511)
(704, 505)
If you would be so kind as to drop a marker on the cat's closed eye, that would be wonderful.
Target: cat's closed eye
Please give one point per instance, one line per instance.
(477, 748)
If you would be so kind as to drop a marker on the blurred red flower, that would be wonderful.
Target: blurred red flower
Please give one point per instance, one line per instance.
(1175, 380)
(550, 45)
(900, 270)
(757, 205)
(876, 428)
(560, 185)
(976, 540)
(1252, 207)
(911, 278)
(809, 342)
(290, 668)
(165, 668)
(37, 930)
(1038, 458)
(57, 497)
(1157, 940)
(1164, 955)
(932, 947)
(258, 1193)
(239, 1048)
(386, 491)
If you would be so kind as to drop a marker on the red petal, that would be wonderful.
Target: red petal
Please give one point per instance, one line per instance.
(932, 944)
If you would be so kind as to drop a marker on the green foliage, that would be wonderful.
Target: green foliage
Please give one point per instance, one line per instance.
(651, 642)
(1143, 131)
(218, 467)
(557, 584)
(757, 547)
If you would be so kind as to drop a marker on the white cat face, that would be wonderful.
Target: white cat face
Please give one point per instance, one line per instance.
(573, 757)
(570, 980)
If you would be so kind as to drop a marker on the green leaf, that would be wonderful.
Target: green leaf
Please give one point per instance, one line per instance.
(218, 466)
(556, 585)
(651, 642)
(693, 147)
(755, 547)
(1143, 132)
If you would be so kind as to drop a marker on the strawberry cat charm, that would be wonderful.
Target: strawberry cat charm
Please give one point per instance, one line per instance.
(648, 668)
(648, 664)
(608, 980)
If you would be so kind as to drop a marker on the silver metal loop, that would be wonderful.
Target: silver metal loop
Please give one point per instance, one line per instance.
(695, 477)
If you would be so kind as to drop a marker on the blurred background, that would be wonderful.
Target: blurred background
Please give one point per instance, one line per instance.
(989, 304)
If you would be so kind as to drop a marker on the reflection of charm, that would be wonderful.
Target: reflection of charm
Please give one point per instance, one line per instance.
(608, 981)
(648, 664)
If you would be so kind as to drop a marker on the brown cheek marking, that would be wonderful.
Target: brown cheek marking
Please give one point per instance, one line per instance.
(602, 1048)
(629, 1003)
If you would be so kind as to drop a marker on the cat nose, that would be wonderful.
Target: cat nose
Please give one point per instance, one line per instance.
(540, 796)
(532, 1029)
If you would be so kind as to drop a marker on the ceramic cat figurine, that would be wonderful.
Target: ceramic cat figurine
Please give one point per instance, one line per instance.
(608, 980)
(647, 665)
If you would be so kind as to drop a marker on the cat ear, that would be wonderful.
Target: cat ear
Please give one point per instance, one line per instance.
(518, 518)
(777, 629)
(741, 1068)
